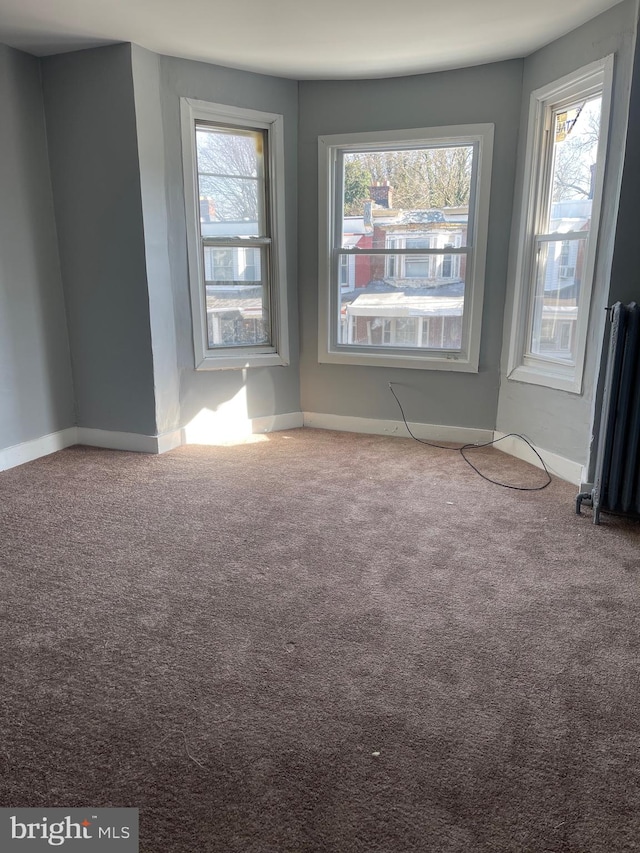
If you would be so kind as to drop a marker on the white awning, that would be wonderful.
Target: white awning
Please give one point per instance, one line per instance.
(404, 305)
(351, 240)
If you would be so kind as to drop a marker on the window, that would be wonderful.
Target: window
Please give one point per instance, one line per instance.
(408, 210)
(233, 171)
(344, 271)
(560, 217)
(418, 266)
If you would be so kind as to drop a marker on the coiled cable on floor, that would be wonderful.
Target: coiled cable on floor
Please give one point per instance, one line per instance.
(461, 450)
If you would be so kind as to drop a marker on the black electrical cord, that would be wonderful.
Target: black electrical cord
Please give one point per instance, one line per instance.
(462, 448)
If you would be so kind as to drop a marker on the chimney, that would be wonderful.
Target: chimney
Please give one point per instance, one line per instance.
(368, 216)
(382, 194)
(207, 210)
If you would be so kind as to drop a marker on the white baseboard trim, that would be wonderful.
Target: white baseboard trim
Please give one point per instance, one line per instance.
(559, 466)
(168, 441)
(113, 440)
(276, 423)
(27, 451)
(376, 426)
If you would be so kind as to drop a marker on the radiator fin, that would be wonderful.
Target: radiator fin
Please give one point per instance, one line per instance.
(617, 477)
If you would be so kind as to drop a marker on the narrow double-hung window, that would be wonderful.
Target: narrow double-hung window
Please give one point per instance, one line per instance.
(560, 219)
(233, 164)
(408, 212)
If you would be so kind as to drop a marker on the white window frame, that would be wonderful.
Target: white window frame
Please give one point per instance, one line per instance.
(277, 353)
(330, 197)
(522, 366)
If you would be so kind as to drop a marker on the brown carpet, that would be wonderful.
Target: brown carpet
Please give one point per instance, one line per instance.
(320, 642)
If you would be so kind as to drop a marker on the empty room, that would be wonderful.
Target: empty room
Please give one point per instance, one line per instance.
(319, 427)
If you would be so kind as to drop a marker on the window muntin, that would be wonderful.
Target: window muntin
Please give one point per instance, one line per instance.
(411, 214)
(233, 166)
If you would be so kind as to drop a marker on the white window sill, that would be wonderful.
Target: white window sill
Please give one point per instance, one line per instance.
(241, 360)
(559, 376)
(394, 359)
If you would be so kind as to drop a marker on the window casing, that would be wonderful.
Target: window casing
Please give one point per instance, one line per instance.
(559, 225)
(418, 283)
(234, 203)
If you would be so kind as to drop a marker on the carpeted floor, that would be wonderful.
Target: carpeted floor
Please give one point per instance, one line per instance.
(320, 642)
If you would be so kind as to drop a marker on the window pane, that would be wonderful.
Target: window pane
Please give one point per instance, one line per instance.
(420, 194)
(403, 301)
(576, 131)
(230, 179)
(557, 298)
(218, 264)
(229, 152)
(237, 298)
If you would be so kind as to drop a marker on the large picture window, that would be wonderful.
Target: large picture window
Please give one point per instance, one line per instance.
(233, 163)
(405, 212)
(560, 217)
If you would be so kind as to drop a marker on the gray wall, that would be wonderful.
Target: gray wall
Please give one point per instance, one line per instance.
(36, 392)
(151, 157)
(557, 420)
(269, 391)
(490, 93)
(93, 149)
(625, 281)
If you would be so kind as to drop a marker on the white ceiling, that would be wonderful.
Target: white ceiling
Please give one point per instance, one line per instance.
(301, 39)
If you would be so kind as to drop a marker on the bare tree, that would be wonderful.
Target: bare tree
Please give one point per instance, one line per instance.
(422, 178)
(228, 168)
(448, 175)
(575, 156)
